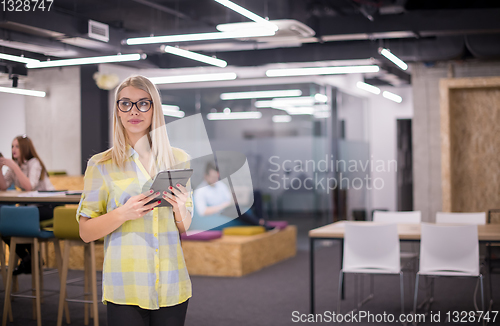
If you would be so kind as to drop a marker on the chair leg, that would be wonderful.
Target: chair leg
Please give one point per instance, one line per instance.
(482, 292)
(2, 263)
(37, 282)
(86, 283)
(94, 283)
(59, 264)
(63, 280)
(339, 297)
(7, 308)
(402, 286)
(415, 299)
(40, 264)
(33, 280)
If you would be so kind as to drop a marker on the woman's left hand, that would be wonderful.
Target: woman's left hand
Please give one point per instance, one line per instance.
(178, 201)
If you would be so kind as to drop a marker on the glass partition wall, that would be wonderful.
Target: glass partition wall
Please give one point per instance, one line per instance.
(295, 145)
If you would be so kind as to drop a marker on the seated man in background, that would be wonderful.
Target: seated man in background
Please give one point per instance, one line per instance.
(213, 197)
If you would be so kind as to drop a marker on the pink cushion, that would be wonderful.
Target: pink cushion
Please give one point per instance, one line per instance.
(201, 236)
(277, 224)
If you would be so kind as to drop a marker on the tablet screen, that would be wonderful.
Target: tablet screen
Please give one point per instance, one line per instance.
(169, 178)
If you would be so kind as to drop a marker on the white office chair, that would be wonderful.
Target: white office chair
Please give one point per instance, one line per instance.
(371, 249)
(461, 218)
(448, 250)
(414, 217)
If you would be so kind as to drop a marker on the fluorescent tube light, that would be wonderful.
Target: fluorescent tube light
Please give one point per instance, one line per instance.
(284, 102)
(398, 62)
(234, 115)
(392, 97)
(321, 98)
(193, 78)
(299, 110)
(85, 61)
(21, 91)
(368, 88)
(195, 56)
(247, 13)
(287, 72)
(175, 114)
(246, 33)
(170, 107)
(17, 58)
(282, 118)
(260, 94)
(172, 111)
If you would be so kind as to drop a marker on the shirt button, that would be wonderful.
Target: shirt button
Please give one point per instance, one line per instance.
(156, 234)
(157, 266)
(156, 250)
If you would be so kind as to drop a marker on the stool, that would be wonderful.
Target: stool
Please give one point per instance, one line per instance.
(66, 227)
(22, 224)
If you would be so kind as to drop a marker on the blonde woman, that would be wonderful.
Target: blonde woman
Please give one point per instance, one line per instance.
(145, 280)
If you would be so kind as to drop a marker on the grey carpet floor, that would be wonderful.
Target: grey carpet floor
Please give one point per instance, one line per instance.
(274, 295)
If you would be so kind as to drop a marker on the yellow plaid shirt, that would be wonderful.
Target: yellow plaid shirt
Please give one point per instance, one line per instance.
(143, 259)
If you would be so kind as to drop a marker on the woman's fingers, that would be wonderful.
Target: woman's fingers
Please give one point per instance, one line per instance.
(152, 205)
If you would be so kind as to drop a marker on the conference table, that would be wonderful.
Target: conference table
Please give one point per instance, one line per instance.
(489, 233)
(12, 197)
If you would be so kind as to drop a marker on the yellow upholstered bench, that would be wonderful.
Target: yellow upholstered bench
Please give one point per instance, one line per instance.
(243, 230)
(238, 255)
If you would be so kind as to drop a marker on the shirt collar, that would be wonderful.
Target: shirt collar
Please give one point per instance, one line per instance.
(131, 151)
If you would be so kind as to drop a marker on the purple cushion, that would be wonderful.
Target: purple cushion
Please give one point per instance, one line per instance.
(201, 236)
(277, 224)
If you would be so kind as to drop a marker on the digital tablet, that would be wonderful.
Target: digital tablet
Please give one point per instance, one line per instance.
(169, 178)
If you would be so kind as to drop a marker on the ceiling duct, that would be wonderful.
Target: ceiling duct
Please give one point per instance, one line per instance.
(98, 31)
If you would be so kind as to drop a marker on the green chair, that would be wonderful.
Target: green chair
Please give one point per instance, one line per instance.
(22, 225)
(66, 228)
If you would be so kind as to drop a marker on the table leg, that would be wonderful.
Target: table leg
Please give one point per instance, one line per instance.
(341, 265)
(311, 273)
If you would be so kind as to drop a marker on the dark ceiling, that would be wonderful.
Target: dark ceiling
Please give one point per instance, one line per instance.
(415, 30)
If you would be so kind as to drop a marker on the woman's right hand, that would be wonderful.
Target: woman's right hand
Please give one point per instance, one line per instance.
(136, 207)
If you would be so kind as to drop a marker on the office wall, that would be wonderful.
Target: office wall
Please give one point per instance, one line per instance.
(383, 141)
(13, 121)
(426, 128)
(53, 122)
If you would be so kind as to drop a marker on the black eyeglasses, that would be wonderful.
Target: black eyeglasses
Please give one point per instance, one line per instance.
(142, 105)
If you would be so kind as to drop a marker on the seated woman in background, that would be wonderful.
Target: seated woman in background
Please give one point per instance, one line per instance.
(212, 198)
(27, 172)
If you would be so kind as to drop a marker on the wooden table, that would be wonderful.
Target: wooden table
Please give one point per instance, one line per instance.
(12, 197)
(488, 233)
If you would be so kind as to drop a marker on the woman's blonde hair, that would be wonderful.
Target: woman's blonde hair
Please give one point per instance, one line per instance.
(159, 143)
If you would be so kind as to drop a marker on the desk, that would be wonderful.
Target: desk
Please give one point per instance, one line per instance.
(488, 233)
(12, 197)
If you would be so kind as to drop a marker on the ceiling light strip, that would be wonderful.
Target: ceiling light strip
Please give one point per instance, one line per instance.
(195, 56)
(260, 94)
(259, 32)
(393, 97)
(234, 115)
(247, 13)
(321, 71)
(85, 61)
(369, 88)
(398, 62)
(17, 58)
(193, 78)
(21, 91)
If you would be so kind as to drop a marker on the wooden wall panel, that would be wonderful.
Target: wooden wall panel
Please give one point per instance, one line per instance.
(470, 144)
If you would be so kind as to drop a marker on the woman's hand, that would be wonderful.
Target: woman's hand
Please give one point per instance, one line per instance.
(7, 161)
(178, 201)
(136, 207)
